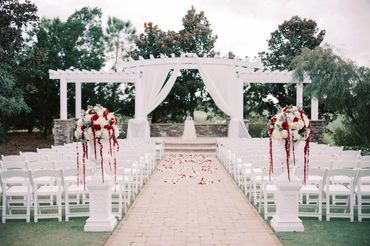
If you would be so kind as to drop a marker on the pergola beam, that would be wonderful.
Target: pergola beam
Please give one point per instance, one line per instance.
(93, 76)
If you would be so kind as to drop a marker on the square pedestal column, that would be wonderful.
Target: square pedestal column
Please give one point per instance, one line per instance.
(287, 198)
(100, 208)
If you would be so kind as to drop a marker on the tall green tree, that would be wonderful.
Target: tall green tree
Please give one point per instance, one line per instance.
(196, 37)
(119, 38)
(16, 19)
(76, 43)
(284, 44)
(341, 86)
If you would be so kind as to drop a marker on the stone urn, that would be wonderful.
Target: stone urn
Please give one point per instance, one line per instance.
(200, 116)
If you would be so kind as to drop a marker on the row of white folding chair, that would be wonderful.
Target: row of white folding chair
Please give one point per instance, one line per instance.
(33, 187)
(38, 184)
(322, 182)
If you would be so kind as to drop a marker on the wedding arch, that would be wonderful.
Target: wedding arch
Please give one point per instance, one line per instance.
(153, 79)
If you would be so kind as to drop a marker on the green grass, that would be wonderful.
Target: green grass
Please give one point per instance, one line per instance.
(335, 232)
(50, 232)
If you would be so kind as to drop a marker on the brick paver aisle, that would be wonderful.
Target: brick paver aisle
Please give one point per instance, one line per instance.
(178, 207)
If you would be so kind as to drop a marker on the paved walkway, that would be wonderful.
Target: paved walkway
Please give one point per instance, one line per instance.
(178, 207)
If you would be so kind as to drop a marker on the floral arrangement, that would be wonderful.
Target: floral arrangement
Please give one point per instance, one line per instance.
(95, 124)
(290, 124)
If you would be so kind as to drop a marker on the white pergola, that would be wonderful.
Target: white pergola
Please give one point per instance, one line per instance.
(153, 78)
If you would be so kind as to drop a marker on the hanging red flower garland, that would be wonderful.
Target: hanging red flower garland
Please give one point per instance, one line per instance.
(96, 124)
(290, 124)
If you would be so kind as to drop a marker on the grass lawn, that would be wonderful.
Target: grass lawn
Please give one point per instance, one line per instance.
(335, 232)
(50, 232)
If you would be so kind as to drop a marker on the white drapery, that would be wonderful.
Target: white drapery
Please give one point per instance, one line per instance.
(227, 93)
(221, 82)
(151, 90)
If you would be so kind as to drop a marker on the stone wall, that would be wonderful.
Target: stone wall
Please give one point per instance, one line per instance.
(63, 131)
(176, 130)
(318, 130)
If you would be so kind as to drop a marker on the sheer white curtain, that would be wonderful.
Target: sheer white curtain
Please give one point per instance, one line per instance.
(227, 92)
(151, 90)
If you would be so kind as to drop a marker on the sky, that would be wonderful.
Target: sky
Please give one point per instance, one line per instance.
(242, 26)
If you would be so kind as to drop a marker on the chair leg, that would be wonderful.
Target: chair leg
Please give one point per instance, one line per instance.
(66, 206)
(359, 201)
(327, 207)
(352, 205)
(35, 208)
(4, 208)
(320, 207)
(59, 203)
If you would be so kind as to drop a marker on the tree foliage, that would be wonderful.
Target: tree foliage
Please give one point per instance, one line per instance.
(76, 43)
(196, 37)
(284, 44)
(119, 37)
(341, 86)
(16, 19)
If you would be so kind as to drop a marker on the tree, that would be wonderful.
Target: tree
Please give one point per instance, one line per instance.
(284, 44)
(76, 43)
(341, 86)
(15, 21)
(119, 37)
(195, 37)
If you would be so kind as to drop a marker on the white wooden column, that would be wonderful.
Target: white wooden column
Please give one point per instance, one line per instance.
(63, 99)
(139, 114)
(78, 105)
(314, 108)
(299, 95)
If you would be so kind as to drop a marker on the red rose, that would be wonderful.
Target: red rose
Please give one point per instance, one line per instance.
(285, 125)
(108, 127)
(95, 117)
(105, 113)
(83, 127)
(112, 121)
(96, 127)
(295, 119)
(273, 120)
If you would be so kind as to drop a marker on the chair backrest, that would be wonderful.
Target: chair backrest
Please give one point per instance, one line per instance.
(12, 158)
(51, 175)
(33, 156)
(336, 176)
(45, 150)
(364, 162)
(315, 175)
(8, 175)
(363, 173)
(9, 165)
(65, 164)
(36, 165)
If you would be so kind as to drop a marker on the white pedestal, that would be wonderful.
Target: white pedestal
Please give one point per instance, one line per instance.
(287, 198)
(100, 208)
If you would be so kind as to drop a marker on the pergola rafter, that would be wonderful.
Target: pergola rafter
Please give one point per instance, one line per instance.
(130, 71)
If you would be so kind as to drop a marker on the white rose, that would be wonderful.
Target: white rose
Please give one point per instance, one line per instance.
(116, 130)
(105, 134)
(277, 135)
(88, 117)
(101, 121)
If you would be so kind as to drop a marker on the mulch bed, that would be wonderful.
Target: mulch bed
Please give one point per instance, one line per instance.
(24, 141)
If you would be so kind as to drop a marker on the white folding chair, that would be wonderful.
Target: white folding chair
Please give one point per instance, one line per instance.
(16, 196)
(363, 193)
(267, 194)
(334, 190)
(75, 202)
(42, 189)
(311, 193)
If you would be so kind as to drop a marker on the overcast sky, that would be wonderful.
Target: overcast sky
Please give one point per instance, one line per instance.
(242, 26)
